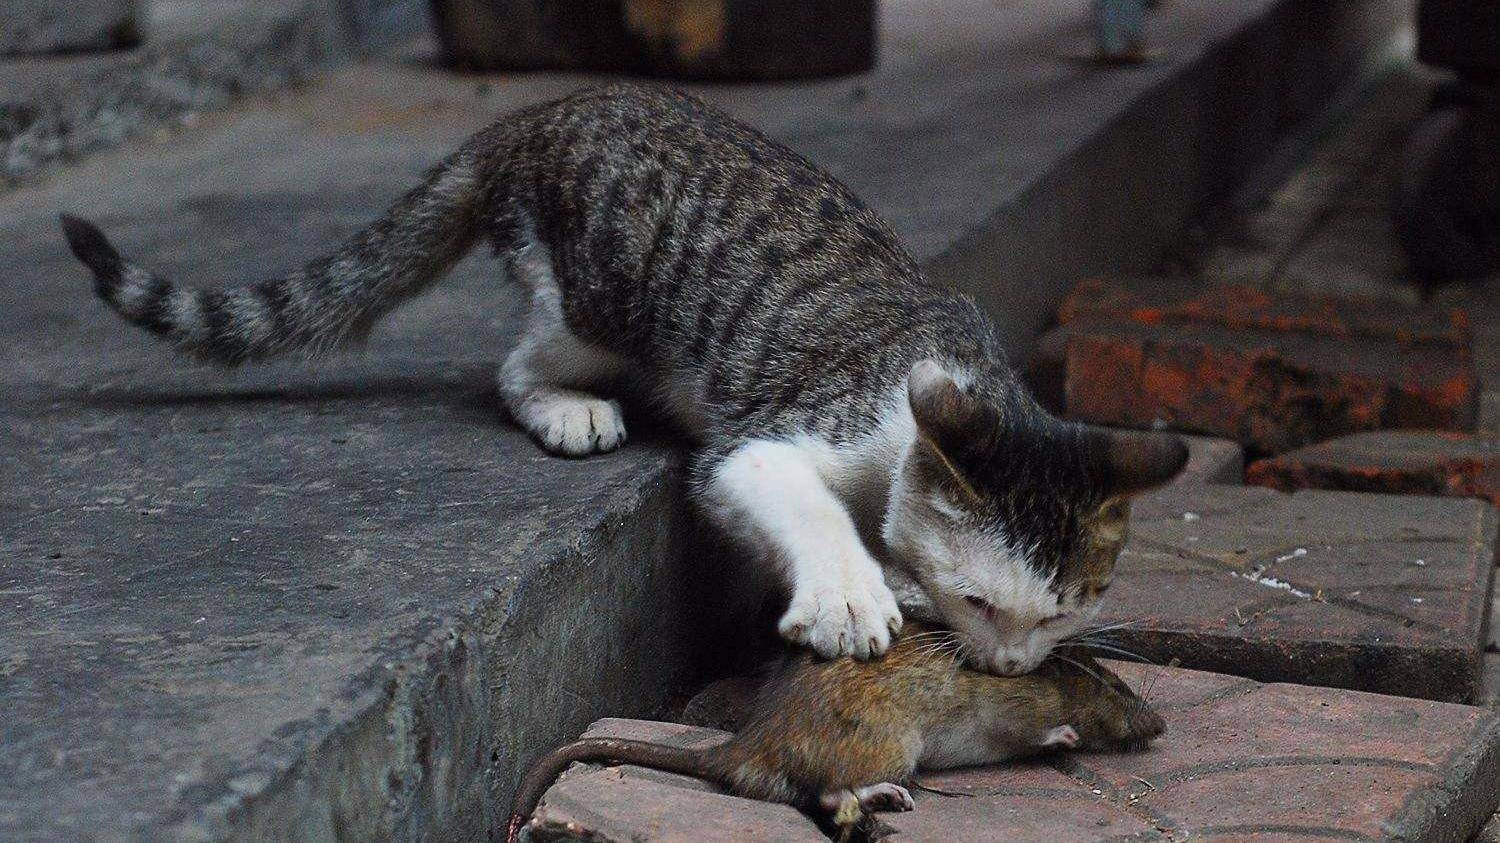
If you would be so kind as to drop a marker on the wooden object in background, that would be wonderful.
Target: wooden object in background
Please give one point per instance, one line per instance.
(692, 39)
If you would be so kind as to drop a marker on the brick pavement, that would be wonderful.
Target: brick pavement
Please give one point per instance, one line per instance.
(1372, 592)
(1240, 760)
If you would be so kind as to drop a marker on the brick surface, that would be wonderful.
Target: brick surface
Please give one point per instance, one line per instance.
(1391, 462)
(1240, 761)
(1273, 371)
(1270, 391)
(1165, 301)
(632, 805)
(1371, 592)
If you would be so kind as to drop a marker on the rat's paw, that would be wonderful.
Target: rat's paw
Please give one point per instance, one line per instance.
(575, 425)
(886, 796)
(855, 618)
(1063, 735)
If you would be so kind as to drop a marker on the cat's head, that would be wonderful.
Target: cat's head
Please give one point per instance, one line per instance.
(1009, 519)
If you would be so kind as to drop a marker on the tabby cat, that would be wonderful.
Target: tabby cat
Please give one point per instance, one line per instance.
(845, 413)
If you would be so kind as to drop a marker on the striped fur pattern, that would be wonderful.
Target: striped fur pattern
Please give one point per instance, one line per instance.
(847, 414)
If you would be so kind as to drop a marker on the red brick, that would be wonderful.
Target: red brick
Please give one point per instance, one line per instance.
(1240, 761)
(1269, 391)
(1271, 760)
(1369, 592)
(1021, 802)
(1406, 462)
(1166, 301)
(633, 805)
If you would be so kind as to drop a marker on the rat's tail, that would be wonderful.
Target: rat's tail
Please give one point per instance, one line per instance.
(331, 301)
(671, 759)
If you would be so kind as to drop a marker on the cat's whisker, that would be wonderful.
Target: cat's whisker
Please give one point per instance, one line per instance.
(1095, 630)
(932, 633)
(1083, 667)
(1110, 648)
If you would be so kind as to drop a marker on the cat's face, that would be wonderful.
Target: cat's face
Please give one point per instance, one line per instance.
(1012, 521)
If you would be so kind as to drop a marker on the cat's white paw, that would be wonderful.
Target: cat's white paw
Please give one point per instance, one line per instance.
(574, 425)
(886, 796)
(852, 615)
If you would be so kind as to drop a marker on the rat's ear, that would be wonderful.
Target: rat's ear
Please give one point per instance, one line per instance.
(1131, 462)
(945, 415)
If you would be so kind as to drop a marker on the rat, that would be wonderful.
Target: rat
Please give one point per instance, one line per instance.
(840, 736)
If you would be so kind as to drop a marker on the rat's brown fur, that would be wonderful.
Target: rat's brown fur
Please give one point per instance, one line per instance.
(828, 727)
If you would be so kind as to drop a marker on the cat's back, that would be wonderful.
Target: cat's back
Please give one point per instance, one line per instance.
(649, 121)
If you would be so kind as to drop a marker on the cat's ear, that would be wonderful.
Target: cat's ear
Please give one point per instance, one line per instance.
(946, 416)
(1133, 462)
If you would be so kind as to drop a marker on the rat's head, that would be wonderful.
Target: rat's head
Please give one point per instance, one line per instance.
(1100, 707)
(1009, 519)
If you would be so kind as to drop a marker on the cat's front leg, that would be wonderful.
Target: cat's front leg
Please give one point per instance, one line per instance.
(769, 495)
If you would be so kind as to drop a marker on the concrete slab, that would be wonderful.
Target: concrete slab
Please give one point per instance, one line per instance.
(1239, 761)
(53, 26)
(1372, 592)
(298, 599)
(196, 57)
(401, 602)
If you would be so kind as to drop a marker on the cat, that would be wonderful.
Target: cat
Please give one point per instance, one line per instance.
(844, 413)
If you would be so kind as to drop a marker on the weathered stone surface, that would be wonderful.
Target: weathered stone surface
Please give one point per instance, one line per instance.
(1269, 391)
(1371, 592)
(1240, 761)
(201, 56)
(53, 26)
(1165, 301)
(1405, 462)
(298, 600)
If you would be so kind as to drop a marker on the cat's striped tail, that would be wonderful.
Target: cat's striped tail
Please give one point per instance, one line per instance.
(331, 301)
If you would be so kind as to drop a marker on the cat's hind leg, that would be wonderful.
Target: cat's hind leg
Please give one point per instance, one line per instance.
(769, 494)
(544, 381)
